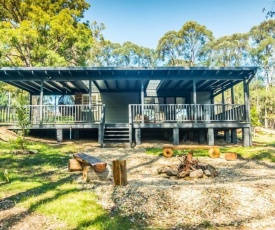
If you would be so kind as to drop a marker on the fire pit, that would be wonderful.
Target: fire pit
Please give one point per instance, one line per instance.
(188, 168)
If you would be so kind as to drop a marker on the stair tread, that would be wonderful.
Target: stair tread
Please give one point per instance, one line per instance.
(111, 128)
(116, 135)
(113, 131)
(116, 139)
(116, 132)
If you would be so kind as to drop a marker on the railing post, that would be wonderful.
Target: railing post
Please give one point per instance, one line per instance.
(195, 100)
(90, 101)
(130, 126)
(9, 104)
(102, 127)
(41, 101)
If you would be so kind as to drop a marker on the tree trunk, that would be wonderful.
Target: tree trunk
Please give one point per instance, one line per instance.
(265, 118)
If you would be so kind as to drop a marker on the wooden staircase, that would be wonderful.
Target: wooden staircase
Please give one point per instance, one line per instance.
(116, 133)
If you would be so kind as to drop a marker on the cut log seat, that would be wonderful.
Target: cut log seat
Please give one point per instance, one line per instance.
(75, 165)
(97, 164)
(214, 151)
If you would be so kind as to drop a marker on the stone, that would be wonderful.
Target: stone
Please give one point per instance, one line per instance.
(171, 172)
(207, 172)
(183, 174)
(212, 170)
(196, 174)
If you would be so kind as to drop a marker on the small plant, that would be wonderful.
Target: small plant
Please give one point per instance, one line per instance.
(23, 120)
(6, 175)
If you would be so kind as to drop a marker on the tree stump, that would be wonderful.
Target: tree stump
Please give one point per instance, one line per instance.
(167, 152)
(120, 172)
(90, 174)
(214, 152)
(230, 156)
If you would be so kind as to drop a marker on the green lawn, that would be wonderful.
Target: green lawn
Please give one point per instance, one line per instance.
(41, 184)
(263, 149)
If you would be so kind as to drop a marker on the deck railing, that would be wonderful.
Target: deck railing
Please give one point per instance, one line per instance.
(54, 114)
(157, 113)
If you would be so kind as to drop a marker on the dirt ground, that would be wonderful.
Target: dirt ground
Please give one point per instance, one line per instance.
(242, 196)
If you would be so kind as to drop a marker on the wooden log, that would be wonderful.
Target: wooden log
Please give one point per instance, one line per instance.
(230, 156)
(167, 152)
(214, 152)
(188, 161)
(98, 164)
(183, 147)
(100, 167)
(120, 172)
(74, 165)
(90, 174)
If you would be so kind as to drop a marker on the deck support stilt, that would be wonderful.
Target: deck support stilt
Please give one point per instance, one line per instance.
(210, 136)
(59, 135)
(175, 136)
(246, 137)
(234, 137)
(101, 135)
(138, 136)
(227, 136)
(130, 135)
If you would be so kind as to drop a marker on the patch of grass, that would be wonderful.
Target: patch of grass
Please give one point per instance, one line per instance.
(41, 184)
(79, 210)
(263, 149)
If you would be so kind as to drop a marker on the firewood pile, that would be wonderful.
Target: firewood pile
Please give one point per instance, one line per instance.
(188, 168)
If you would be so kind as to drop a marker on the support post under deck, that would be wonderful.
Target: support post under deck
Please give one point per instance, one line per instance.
(138, 136)
(210, 136)
(59, 135)
(227, 136)
(175, 136)
(246, 137)
(234, 137)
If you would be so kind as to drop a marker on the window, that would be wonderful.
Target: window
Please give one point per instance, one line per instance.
(153, 100)
(96, 99)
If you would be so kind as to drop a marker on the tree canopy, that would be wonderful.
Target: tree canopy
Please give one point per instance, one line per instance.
(43, 33)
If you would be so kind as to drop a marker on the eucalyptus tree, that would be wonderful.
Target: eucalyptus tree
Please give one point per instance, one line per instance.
(263, 55)
(193, 39)
(263, 49)
(102, 54)
(269, 10)
(130, 54)
(146, 57)
(169, 50)
(44, 33)
(230, 50)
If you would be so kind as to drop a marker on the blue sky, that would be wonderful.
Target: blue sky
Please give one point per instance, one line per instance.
(144, 22)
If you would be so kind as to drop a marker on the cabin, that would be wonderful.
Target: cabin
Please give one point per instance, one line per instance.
(126, 104)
